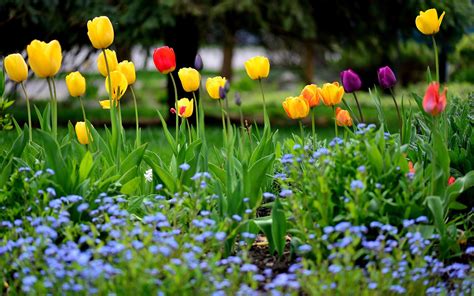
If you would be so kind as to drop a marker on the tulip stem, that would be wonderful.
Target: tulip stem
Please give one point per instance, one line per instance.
(222, 115)
(83, 111)
(189, 130)
(313, 130)
(335, 121)
(436, 57)
(196, 113)
(301, 131)
(54, 109)
(175, 103)
(113, 116)
(137, 123)
(30, 132)
(265, 119)
(350, 110)
(400, 122)
(358, 107)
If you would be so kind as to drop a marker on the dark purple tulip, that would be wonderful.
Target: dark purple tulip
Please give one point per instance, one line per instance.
(387, 78)
(238, 100)
(350, 81)
(198, 65)
(222, 92)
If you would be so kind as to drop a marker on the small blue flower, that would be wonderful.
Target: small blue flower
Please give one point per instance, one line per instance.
(334, 268)
(237, 218)
(357, 184)
(82, 207)
(470, 251)
(361, 169)
(185, 166)
(286, 193)
(304, 248)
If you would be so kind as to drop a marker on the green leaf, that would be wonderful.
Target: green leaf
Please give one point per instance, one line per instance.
(375, 157)
(279, 226)
(85, 166)
(458, 187)
(169, 137)
(265, 224)
(133, 159)
(436, 207)
(131, 186)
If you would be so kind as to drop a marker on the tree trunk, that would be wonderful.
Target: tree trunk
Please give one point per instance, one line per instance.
(308, 62)
(227, 55)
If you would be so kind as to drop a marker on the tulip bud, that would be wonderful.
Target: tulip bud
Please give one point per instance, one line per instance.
(100, 32)
(185, 107)
(451, 180)
(76, 84)
(296, 107)
(343, 118)
(434, 103)
(16, 67)
(222, 92)
(386, 77)
(198, 65)
(428, 23)
(111, 62)
(238, 100)
(164, 59)
(82, 133)
(190, 79)
(44, 58)
(350, 81)
(213, 86)
(257, 67)
(128, 69)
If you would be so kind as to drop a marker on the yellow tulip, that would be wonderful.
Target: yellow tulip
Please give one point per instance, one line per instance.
(257, 67)
(105, 104)
(296, 107)
(343, 118)
(82, 133)
(428, 23)
(190, 79)
(128, 69)
(76, 84)
(100, 32)
(213, 84)
(44, 58)
(332, 93)
(16, 67)
(185, 107)
(111, 60)
(312, 94)
(119, 84)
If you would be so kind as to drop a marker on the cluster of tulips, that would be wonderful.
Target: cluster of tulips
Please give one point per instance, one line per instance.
(45, 61)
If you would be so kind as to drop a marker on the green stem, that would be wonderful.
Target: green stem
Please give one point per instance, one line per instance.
(175, 103)
(113, 116)
(350, 111)
(301, 131)
(400, 122)
(30, 132)
(335, 122)
(54, 108)
(137, 123)
(265, 115)
(227, 113)
(358, 107)
(196, 107)
(222, 115)
(189, 130)
(83, 111)
(313, 129)
(436, 57)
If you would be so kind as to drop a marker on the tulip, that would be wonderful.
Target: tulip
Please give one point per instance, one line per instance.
(213, 85)
(44, 58)
(105, 104)
(185, 107)
(164, 59)
(128, 69)
(111, 62)
(16, 67)
(76, 84)
(428, 23)
(411, 167)
(257, 67)
(190, 79)
(198, 65)
(350, 81)
(100, 32)
(343, 118)
(119, 84)
(237, 99)
(296, 107)
(433, 102)
(451, 180)
(82, 133)
(332, 93)
(386, 77)
(312, 94)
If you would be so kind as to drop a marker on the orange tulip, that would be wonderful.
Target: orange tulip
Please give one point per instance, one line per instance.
(312, 94)
(296, 107)
(343, 118)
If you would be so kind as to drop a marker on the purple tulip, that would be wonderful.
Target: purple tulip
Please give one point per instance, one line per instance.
(238, 100)
(387, 78)
(222, 92)
(198, 65)
(351, 81)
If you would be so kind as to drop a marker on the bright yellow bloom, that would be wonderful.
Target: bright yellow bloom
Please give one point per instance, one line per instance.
(343, 118)
(428, 23)
(82, 133)
(332, 93)
(312, 94)
(128, 69)
(44, 58)
(100, 32)
(16, 67)
(76, 84)
(105, 104)
(213, 84)
(185, 107)
(119, 84)
(257, 67)
(111, 60)
(190, 79)
(296, 107)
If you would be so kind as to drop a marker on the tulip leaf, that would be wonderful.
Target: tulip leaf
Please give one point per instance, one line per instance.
(131, 186)
(278, 226)
(85, 166)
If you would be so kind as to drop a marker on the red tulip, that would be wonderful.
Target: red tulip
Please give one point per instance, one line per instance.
(164, 59)
(434, 103)
(451, 180)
